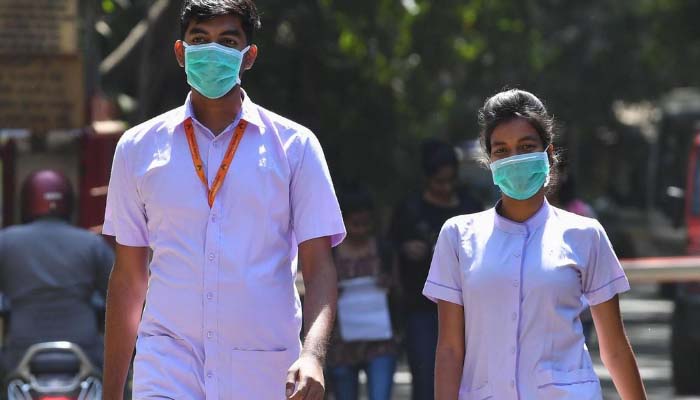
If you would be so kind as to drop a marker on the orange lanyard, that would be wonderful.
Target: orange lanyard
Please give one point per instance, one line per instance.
(225, 163)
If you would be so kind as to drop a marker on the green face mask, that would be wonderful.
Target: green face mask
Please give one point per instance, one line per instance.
(521, 177)
(212, 69)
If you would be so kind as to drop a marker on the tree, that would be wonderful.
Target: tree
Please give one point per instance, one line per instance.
(374, 77)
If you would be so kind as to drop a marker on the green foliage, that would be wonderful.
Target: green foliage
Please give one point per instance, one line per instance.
(108, 6)
(374, 77)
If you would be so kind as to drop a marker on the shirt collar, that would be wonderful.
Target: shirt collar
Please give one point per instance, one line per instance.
(249, 111)
(523, 228)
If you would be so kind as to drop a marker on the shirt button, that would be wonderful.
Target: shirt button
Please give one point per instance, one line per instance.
(210, 296)
(512, 350)
(516, 255)
(512, 384)
(515, 283)
(210, 374)
(213, 218)
(211, 256)
(210, 334)
(514, 316)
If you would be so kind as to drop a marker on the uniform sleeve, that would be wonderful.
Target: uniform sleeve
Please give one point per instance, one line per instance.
(315, 209)
(125, 215)
(444, 279)
(603, 277)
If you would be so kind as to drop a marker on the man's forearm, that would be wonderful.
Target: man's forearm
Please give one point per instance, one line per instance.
(124, 306)
(319, 311)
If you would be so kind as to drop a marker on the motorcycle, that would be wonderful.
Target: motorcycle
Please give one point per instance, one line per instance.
(55, 371)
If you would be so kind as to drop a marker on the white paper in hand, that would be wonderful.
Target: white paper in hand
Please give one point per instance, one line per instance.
(363, 311)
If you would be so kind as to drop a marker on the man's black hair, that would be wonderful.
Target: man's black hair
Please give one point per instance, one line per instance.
(202, 10)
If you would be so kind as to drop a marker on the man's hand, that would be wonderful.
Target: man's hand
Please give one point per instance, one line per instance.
(306, 376)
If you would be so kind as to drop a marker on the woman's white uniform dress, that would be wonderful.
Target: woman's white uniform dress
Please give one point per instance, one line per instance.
(521, 285)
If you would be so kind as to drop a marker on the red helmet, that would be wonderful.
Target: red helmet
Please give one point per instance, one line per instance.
(46, 193)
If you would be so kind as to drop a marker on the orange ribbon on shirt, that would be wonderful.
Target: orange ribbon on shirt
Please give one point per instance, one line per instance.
(225, 163)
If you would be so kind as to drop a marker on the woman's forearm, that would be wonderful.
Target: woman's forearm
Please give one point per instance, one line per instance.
(448, 372)
(615, 350)
(623, 369)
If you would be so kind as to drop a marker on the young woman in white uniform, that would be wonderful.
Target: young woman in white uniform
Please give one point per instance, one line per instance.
(508, 281)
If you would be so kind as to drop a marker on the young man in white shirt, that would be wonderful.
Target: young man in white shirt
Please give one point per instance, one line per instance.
(226, 194)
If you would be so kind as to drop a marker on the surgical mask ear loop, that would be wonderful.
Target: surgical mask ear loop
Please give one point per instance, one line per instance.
(551, 163)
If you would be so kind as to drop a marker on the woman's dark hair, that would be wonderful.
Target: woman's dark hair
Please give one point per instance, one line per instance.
(512, 104)
(436, 154)
(355, 198)
(201, 10)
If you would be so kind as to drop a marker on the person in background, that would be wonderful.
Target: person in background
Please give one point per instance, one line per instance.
(362, 255)
(414, 231)
(509, 280)
(49, 272)
(565, 196)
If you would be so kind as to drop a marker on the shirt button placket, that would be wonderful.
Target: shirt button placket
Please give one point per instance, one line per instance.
(518, 260)
(210, 319)
(209, 290)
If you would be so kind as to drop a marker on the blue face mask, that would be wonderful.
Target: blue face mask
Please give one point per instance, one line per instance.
(212, 69)
(521, 177)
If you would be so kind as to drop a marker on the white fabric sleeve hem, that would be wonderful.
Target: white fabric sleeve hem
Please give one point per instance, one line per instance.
(337, 235)
(125, 238)
(435, 291)
(607, 291)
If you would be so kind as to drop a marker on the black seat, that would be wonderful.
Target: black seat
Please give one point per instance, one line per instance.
(54, 362)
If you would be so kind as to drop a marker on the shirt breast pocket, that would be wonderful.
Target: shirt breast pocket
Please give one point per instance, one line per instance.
(574, 384)
(260, 374)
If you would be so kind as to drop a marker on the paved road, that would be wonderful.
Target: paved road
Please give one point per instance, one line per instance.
(647, 322)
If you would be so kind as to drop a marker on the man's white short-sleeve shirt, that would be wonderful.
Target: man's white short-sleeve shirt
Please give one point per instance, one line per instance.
(222, 315)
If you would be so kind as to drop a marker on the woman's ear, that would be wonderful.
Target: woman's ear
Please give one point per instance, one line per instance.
(551, 155)
(179, 50)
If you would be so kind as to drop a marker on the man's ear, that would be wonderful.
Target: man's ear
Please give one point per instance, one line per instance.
(250, 56)
(179, 49)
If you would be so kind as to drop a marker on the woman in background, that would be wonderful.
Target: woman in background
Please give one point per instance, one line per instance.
(362, 259)
(415, 227)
